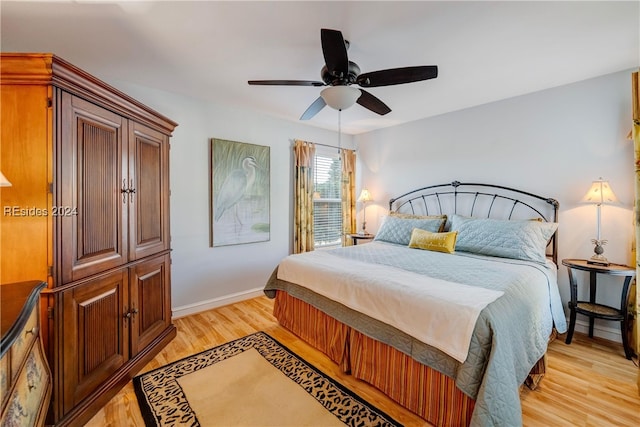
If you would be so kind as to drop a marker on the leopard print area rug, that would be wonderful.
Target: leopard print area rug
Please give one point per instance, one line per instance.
(164, 393)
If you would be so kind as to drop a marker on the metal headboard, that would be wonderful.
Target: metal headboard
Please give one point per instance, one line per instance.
(480, 200)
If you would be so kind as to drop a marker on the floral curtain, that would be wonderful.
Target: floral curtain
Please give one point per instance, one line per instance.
(348, 191)
(634, 299)
(304, 153)
(635, 296)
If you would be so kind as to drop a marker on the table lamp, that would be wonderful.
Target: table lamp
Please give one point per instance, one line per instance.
(600, 193)
(365, 197)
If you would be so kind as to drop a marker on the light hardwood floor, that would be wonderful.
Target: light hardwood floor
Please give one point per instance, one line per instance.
(589, 383)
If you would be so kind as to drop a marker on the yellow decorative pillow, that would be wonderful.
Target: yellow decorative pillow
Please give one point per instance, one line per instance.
(439, 242)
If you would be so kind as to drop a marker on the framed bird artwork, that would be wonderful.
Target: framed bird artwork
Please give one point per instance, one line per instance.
(239, 193)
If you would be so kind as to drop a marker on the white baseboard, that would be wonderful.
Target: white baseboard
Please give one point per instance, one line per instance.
(608, 333)
(198, 307)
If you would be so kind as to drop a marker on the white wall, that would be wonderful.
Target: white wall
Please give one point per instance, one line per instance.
(552, 143)
(202, 276)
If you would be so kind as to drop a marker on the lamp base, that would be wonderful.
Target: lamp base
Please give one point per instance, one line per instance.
(363, 232)
(598, 258)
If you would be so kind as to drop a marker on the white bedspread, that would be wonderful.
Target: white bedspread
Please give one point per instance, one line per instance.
(437, 312)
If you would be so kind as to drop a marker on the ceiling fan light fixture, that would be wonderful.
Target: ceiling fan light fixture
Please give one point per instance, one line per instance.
(340, 97)
(339, 74)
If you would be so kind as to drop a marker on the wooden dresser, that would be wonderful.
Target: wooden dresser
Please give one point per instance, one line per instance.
(25, 379)
(88, 210)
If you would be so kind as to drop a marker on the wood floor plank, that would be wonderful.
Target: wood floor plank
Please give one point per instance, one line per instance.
(589, 383)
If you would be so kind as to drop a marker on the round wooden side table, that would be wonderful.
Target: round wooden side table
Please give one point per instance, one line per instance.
(355, 237)
(591, 308)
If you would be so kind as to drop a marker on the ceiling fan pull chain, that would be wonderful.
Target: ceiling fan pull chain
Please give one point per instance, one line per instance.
(339, 131)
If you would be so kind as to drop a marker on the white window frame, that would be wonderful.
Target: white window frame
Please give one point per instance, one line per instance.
(327, 200)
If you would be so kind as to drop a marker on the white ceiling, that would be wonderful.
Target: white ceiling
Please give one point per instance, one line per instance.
(485, 51)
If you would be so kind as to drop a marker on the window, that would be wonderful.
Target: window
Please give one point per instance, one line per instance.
(327, 201)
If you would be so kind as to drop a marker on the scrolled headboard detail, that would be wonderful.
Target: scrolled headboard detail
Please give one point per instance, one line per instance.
(480, 200)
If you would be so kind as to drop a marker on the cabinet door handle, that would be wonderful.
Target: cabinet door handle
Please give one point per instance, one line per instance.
(127, 315)
(131, 191)
(33, 331)
(124, 190)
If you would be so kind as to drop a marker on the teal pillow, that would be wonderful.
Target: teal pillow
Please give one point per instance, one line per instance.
(517, 239)
(396, 229)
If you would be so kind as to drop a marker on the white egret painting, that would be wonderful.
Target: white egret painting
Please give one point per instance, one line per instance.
(239, 193)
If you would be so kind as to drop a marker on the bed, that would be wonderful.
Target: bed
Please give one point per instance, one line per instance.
(448, 311)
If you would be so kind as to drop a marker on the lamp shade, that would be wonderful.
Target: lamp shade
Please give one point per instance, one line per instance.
(340, 97)
(365, 196)
(4, 182)
(600, 193)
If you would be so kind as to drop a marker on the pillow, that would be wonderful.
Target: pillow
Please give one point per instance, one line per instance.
(439, 242)
(518, 239)
(416, 216)
(398, 230)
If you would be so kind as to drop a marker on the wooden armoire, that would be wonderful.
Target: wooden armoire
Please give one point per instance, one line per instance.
(87, 212)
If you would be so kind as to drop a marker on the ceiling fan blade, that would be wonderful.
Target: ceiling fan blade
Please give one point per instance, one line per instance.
(334, 50)
(286, 83)
(396, 76)
(313, 109)
(372, 103)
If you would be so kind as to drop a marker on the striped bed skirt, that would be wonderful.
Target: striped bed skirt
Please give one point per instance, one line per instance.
(422, 390)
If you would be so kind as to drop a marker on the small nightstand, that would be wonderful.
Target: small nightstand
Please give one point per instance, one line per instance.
(591, 308)
(355, 237)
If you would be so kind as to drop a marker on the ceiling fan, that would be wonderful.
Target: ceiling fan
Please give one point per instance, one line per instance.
(339, 74)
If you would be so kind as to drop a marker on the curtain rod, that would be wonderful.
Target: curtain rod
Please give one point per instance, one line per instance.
(330, 146)
(323, 145)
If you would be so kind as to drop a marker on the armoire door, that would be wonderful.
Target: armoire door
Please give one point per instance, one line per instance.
(95, 334)
(148, 191)
(150, 301)
(92, 201)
